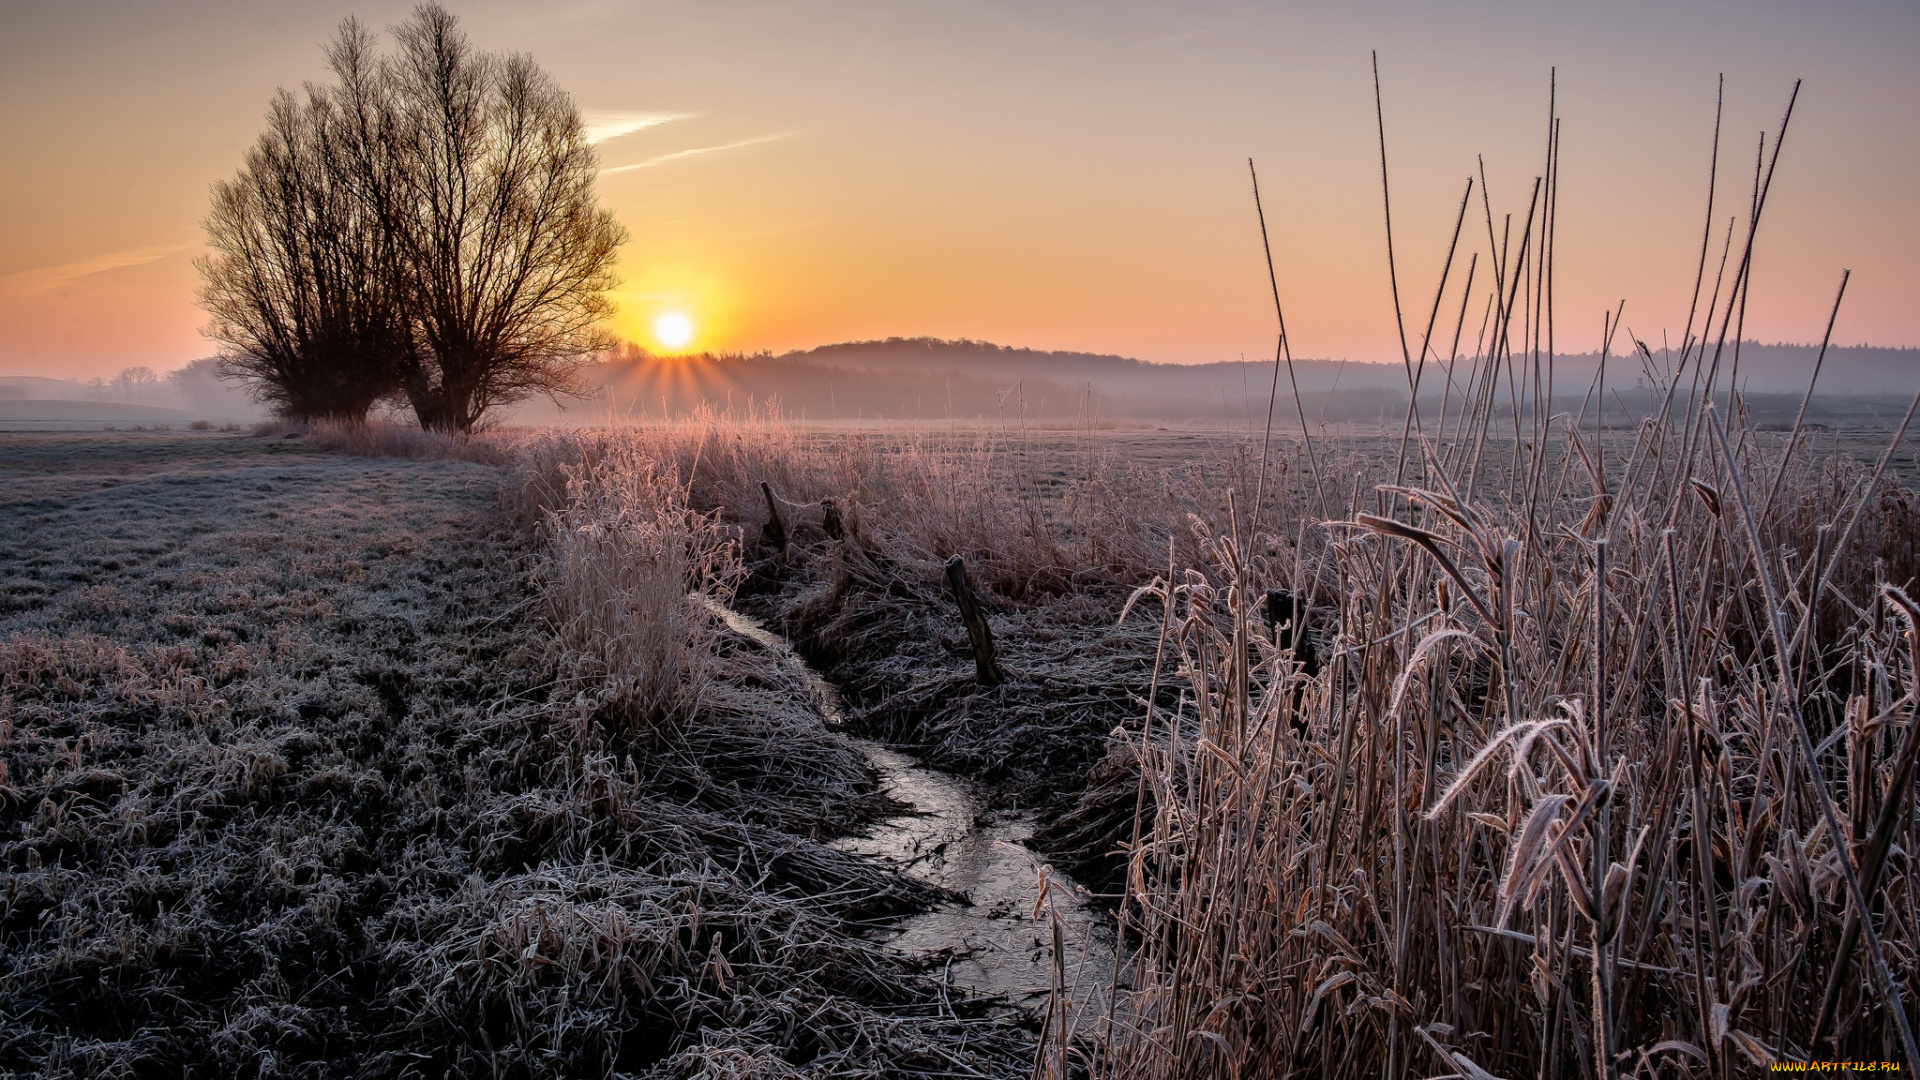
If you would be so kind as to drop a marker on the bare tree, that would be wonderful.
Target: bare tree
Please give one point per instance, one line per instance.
(433, 213)
(300, 308)
(505, 253)
(135, 383)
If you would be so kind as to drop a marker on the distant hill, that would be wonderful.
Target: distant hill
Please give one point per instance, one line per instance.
(930, 378)
(927, 378)
(26, 387)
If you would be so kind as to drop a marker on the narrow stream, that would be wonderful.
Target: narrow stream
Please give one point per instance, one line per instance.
(994, 946)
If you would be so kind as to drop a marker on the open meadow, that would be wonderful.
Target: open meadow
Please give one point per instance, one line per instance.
(366, 752)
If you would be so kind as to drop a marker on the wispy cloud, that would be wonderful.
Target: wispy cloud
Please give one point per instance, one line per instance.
(678, 154)
(605, 124)
(47, 278)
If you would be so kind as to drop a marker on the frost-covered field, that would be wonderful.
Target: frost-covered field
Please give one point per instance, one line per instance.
(203, 542)
(218, 657)
(296, 784)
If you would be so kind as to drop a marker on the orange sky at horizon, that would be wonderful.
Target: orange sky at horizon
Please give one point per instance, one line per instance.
(1059, 176)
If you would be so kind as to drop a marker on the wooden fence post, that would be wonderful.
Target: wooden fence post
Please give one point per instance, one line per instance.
(774, 532)
(985, 670)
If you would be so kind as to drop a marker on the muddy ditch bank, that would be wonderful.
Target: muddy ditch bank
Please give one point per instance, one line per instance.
(992, 935)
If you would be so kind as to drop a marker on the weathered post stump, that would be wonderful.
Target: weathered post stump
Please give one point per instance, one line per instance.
(986, 671)
(1287, 616)
(774, 532)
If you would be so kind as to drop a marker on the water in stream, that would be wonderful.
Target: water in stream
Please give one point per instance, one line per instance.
(995, 945)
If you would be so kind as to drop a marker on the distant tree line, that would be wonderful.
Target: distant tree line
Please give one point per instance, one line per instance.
(422, 230)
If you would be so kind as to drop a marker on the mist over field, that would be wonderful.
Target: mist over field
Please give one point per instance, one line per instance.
(932, 379)
(138, 396)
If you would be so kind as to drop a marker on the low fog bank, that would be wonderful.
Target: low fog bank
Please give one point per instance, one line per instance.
(930, 379)
(971, 381)
(137, 396)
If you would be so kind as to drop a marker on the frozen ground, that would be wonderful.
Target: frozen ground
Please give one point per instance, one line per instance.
(201, 639)
(290, 786)
(171, 539)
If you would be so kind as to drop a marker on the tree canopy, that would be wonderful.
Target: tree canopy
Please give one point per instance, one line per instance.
(425, 228)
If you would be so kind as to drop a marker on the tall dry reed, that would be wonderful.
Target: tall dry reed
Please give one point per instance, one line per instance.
(1610, 746)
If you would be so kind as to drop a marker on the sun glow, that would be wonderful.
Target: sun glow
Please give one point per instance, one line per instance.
(673, 330)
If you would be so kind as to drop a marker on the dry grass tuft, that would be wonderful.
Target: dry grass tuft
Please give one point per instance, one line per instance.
(621, 551)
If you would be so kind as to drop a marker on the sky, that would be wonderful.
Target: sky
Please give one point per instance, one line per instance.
(1055, 175)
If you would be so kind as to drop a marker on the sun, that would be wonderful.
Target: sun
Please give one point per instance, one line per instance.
(673, 329)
